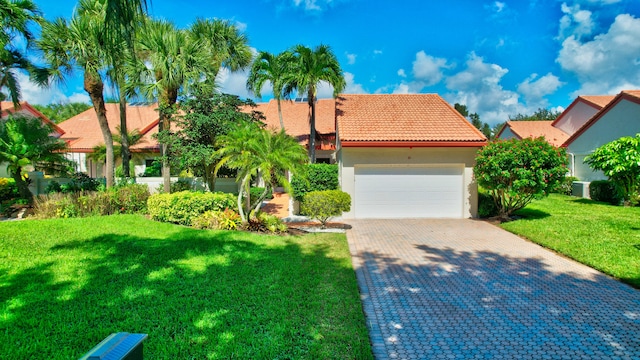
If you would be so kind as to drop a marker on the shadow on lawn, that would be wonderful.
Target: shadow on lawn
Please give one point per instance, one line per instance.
(532, 214)
(197, 295)
(487, 304)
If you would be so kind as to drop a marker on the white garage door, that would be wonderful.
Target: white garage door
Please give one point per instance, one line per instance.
(408, 192)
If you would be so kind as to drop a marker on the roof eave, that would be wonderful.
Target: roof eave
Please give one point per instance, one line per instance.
(351, 143)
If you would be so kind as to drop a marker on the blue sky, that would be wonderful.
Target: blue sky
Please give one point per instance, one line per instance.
(500, 58)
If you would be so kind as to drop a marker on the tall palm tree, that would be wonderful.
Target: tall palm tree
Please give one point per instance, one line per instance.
(310, 67)
(76, 44)
(17, 16)
(271, 68)
(252, 151)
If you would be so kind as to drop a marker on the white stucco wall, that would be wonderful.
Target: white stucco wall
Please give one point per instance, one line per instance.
(623, 119)
(574, 118)
(348, 158)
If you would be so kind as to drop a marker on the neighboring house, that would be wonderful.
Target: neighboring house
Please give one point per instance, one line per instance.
(295, 115)
(406, 156)
(619, 118)
(25, 109)
(533, 129)
(82, 134)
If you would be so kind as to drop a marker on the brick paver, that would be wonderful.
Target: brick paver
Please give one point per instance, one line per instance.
(465, 289)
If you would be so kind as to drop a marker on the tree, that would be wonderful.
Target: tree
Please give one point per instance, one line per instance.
(26, 141)
(620, 161)
(78, 44)
(17, 16)
(252, 151)
(205, 117)
(540, 114)
(133, 137)
(474, 118)
(515, 171)
(309, 68)
(60, 112)
(270, 68)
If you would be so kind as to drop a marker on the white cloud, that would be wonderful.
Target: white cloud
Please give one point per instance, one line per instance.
(34, 94)
(428, 69)
(324, 90)
(242, 27)
(234, 82)
(377, 52)
(309, 5)
(535, 88)
(608, 63)
(401, 73)
(478, 86)
(575, 22)
(352, 87)
(351, 59)
(401, 89)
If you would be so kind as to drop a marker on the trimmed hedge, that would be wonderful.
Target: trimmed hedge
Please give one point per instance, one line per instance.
(182, 207)
(322, 205)
(316, 177)
(605, 191)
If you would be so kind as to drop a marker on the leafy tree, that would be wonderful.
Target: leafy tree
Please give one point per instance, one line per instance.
(309, 68)
(99, 153)
(17, 18)
(620, 161)
(78, 44)
(206, 117)
(323, 205)
(26, 141)
(515, 171)
(462, 109)
(270, 68)
(252, 151)
(62, 111)
(540, 114)
(474, 118)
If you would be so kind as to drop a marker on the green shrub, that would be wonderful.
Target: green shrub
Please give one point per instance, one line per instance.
(316, 177)
(605, 191)
(322, 205)
(486, 205)
(8, 189)
(53, 187)
(565, 186)
(80, 182)
(182, 207)
(267, 223)
(130, 199)
(180, 185)
(257, 191)
(217, 220)
(155, 170)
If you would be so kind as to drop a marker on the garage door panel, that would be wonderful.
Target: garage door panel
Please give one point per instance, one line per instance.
(408, 192)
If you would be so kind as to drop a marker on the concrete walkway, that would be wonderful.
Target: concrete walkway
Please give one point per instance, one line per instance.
(465, 289)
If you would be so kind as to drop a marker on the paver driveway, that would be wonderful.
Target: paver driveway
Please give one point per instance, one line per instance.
(466, 289)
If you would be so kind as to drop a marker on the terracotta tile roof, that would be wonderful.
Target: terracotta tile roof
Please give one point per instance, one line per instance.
(295, 116)
(535, 129)
(402, 118)
(7, 108)
(599, 101)
(634, 93)
(82, 131)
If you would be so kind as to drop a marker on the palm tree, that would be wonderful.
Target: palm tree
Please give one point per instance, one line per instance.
(17, 16)
(271, 68)
(252, 151)
(310, 67)
(180, 60)
(133, 138)
(26, 141)
(77, 45)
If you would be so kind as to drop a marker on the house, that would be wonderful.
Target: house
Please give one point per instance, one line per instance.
(618, 118)
(295, 115)
(82, 134)
(533, 129)
(406, 156)
(25, 109)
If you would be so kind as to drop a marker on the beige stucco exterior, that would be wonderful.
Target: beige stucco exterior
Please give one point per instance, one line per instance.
(350, 157)
(622, 119)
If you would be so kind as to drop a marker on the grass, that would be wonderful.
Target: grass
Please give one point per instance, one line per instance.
(67, 284)
(602, 236)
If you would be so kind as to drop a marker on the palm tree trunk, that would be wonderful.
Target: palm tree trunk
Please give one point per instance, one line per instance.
(280, 116)
(94, 87)
(124, 141)
(164, 152)
(312, 132)
(23, 188)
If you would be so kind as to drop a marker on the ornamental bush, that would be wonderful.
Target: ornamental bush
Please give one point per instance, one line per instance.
(8, 189)
(182, 207)
(322, 205)
(315, 177)
(514, 172)
(605, 191)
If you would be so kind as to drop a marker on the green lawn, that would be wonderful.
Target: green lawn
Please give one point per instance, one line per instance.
(602, 236)
(67, 284)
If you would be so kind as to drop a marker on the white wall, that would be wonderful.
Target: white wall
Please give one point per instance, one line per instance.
(574, 118)
(623, 119)
(350, 157)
